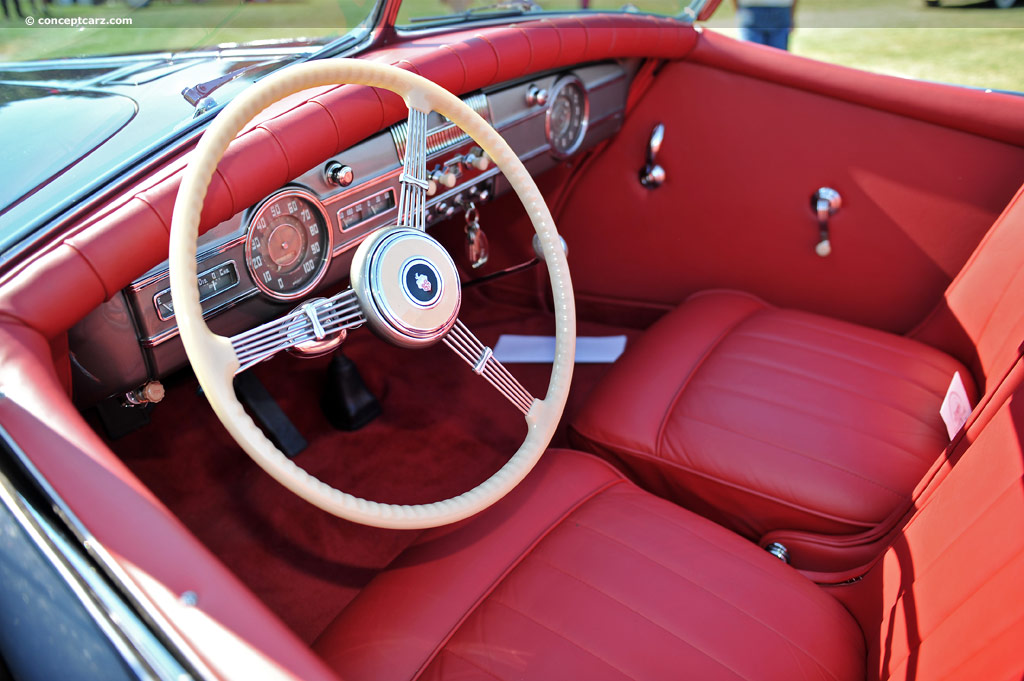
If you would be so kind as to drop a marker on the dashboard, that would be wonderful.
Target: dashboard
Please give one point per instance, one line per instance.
(300, 239)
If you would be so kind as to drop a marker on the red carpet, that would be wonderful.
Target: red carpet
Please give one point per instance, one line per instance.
(443, 430)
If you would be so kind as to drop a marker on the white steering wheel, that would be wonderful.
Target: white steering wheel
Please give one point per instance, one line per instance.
(404, 285)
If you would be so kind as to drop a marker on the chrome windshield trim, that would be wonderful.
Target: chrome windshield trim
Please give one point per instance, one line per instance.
(692, 11)
(132, 622)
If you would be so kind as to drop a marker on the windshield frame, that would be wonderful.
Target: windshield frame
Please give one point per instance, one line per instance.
(695, 10)
(39, 231)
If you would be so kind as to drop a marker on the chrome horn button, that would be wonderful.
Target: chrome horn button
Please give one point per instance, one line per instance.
(407, 286)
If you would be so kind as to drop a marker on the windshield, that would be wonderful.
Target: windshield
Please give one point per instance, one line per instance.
(414, 12)
(49, 29)
(88, 89)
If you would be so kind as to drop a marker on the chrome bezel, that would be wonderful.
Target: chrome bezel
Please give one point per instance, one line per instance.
(556, 90)
(390, 189)
(328, 251)
(238, 278)
(368, 286)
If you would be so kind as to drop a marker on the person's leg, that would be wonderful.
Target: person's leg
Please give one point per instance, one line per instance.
(777, 37)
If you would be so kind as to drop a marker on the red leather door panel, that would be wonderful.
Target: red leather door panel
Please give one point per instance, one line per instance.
(747, 142)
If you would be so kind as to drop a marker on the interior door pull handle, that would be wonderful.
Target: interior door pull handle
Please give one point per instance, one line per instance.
(652, 175)
(825, 202)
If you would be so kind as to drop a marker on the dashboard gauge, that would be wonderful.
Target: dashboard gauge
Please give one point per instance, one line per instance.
(288, 245)
(566, 122)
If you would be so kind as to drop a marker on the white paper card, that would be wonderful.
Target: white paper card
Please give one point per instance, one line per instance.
(513, 349)
(955, 407)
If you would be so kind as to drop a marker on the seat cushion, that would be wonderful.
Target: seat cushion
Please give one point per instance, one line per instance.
(579, 574)
(769, 419)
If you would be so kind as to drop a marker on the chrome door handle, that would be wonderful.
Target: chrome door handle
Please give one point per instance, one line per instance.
(652, 175)
(825, 202)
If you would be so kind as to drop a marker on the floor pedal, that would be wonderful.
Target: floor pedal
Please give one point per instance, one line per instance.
(266, 412)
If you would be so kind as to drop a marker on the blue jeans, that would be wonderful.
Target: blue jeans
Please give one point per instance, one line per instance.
(766, 25)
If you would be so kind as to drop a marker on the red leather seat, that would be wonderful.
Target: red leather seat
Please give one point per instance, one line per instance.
(763, 418)
(578, 574)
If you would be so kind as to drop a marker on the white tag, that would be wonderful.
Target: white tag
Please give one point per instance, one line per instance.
(513, 349)
(955, 407)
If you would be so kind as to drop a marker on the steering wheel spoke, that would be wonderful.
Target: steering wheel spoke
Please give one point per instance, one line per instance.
(412, 201)
(313, 321)
(481, 359)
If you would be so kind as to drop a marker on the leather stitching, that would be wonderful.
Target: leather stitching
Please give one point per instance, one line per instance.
(515, 563)
(841, 469)
(790, 407)
(689, 376)
(709, 591)
(820, 379)
(449, 651)
(661, 462)
(782, 340)
(594, 587)
(793, 320)
(923, 636)
(559, 635)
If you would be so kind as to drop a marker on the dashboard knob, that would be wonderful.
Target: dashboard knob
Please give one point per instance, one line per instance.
(477, 158)
(536, 96)
(443, 177)
(339, 174)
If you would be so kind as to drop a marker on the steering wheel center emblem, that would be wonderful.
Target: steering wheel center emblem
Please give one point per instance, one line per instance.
(421, 282)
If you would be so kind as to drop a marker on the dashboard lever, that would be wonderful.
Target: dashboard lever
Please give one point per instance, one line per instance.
(652, 175)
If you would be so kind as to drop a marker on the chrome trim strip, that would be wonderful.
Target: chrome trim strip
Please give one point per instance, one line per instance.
(445, 137)
(238, 279)
(129, 609)
(153, 341)
(342, 228)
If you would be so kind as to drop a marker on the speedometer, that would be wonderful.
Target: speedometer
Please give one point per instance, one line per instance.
(566, 123)
(288, 245)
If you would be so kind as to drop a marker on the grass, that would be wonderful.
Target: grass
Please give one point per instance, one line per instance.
(966, 42)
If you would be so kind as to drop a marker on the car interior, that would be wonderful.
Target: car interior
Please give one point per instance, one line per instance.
(802, 258)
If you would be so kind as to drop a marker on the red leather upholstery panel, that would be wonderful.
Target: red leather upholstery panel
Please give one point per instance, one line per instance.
(745, 148)
(130, 523)
(988, 114)
(945, 600)
(769, 419)
(981, 316)
(580, 575)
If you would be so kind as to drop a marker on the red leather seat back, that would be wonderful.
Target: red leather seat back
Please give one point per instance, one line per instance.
(980, 320)
(946, 600)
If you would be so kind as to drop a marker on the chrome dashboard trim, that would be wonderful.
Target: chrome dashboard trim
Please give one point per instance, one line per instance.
(153, 341)
(581, 136)
(127, 611)
(337, 213)
(238, 279)
(328, 252)
(448, 135)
